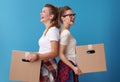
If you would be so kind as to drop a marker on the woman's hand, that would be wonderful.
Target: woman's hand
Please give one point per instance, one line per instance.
(77, 71)
(32, 57)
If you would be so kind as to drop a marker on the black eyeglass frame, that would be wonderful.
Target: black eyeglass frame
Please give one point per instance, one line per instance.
(69, 15)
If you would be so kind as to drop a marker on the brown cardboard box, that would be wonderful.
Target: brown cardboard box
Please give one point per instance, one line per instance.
(91, 58)
(24, 71)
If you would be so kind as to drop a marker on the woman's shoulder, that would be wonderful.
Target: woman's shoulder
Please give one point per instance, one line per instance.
(53, 28)
(65, 32)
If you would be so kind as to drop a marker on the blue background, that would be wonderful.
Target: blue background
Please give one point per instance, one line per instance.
(97, 21)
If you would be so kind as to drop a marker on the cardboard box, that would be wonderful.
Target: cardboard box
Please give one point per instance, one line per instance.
(24, 71)
(91, 58)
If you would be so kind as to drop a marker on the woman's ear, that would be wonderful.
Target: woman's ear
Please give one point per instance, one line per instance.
(51, 17)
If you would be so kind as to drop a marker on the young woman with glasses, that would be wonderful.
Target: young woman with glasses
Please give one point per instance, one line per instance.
(67, 66)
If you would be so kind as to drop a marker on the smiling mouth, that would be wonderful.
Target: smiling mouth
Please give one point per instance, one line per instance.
(42, 17)
(72, 20)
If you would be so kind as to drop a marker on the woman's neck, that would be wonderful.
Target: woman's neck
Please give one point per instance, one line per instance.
(48, 25)
(64, 27)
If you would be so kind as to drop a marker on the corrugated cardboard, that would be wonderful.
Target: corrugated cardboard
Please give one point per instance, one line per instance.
(94, 62)
(24, 71)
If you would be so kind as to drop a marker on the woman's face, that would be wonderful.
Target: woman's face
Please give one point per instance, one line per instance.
(45, 15)
(68, 17)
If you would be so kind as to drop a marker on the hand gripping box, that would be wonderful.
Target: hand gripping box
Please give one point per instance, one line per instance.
(22, 70)
(91, 58)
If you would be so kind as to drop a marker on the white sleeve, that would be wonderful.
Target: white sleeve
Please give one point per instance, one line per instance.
(53, 34)
(64, 38)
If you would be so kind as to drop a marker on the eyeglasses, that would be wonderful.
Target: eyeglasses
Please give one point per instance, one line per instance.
(70, 15)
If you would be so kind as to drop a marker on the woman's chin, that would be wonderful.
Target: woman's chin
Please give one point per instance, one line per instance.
(71, 23)
(41, 20)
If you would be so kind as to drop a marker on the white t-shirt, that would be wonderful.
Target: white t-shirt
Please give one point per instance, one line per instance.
(67, 39)
(44, 42)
